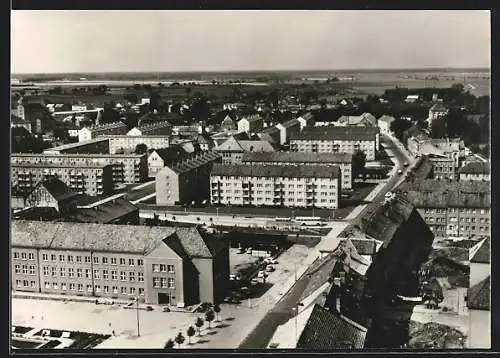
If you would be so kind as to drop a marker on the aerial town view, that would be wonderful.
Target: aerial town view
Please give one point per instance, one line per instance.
(185, 180)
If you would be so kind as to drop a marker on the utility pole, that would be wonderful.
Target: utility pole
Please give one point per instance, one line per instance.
(137, 314)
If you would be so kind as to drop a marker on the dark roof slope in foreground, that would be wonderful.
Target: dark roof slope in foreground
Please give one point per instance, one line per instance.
(478, 296)
(59, 190)
(482, 255)
(326, 330)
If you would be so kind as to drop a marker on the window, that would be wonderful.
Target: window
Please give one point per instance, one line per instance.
(87, 273)
(171, 283)
(123, 276)
(54, 286)
(45, 257)
(87, 259)
(97, 274)
(54, 271)
(105, 274)
(132, 290)
(47, 285)
(32, 270)
(115, 289)
(140, 262)
(170, 269)
(104, 260)
(16, 255)
(97, 288)
(163, 268)
(106, 289)
(45, 270)
(141, 291)
(96, 260)
(131, 276)
(79, 272)
(122, 261)
(72, 286)
(62, 272)
(131, 262)
(70, 258)
(113, 261)
(78, 259)
(80, 287)
(114, 275)
(156, 282)
(61, 258)
(123, 290)
(156, 268)
(163, 282)
(71, 272)
(24, 256)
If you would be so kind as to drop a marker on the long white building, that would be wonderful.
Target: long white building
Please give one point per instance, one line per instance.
(275, 185)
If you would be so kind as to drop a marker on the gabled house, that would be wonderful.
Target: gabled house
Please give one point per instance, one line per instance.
(160, 158)
(232, 150)
(52, 193)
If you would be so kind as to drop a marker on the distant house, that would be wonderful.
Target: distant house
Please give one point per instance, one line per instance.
(159, 158)
(438, 110)
(251, 124)
(287, 128)
(271, 134)
(204, 142)
(228, 124)
(479, 171)
(305, 120)
(232, 150)
(384, 124)
(364, 120)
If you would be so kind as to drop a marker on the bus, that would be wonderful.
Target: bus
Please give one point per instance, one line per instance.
(309, 220)
(282, 220)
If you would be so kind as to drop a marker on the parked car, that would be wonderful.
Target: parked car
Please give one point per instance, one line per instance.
(235, 277)
(249, 250)
(241, 250)
(406, 164)
(270, 260)
(149, 308)
(262, 274)
(389, 195)
(270, 269)
(254, 282)
(400, 172)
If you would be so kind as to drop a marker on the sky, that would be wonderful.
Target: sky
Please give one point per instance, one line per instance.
(137, 41)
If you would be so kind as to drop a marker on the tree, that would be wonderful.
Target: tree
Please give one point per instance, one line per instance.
(169, 344)
(199, 323)
(179, 339)
(141, 148)
(398, 126)
(358, 163)
(217, 311)
(190, 332)
(209, 317)
(438, 127)
(131, 97)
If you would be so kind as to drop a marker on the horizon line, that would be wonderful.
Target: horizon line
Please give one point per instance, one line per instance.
(482, 68)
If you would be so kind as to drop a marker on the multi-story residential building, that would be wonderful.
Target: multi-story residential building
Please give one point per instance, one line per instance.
(384, 124)
(159, 158)
(438, 110)
(364, 120)
(126, 168)
(228, 124)
(475, 171)
(271, 134)
(251, 124)
(443, 166)
(342, 160)
(337, 140)
(287, 129)
(119, 143)
(186, 180)
(276, 185)
(154, 128)
(93, 146)
(90, 179)
(158, 265)
(451, 208)
(422, 144)
(232, 150)
(88, 133)
(305, 120)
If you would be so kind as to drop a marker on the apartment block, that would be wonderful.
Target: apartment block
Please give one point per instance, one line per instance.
(251, 124)
(276, 185)
(287, 129)
(126, 168)
(451, 208)
(336, 140)
(117, 143)
(475, 171)
(153, 128)
(232, 150)
(88, 133)
(186, 180)
(443, 166)
(91, 179)
(158, 265)
(342, 160)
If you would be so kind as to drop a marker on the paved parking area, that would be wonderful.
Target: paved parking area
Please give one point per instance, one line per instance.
(239, 261)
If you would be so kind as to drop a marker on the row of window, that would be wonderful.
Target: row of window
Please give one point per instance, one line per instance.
(267, 192)
(80, 273)
(455, 210)
(162, 282)
(163, 268)
(80, 287)
(104, 260)
(24, 255)
(25, 269)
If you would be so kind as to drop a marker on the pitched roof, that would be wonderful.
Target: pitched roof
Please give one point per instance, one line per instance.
(478, 296)
(104, 213)
(58, 189)
(193, 162)
(326, 330)
(311, 171)
(110, 238)
(270, 130)
(171, 154)
(290, 123)
(297, 157)
(230, 145)
(438, 107)
(336, 133)
(475, 168)
(482, 255)
(256, 146)
(386, 118)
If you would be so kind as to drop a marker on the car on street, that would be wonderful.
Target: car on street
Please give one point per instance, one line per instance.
(254, 282)
(249, 250)
(400, 172)
(234, 277)
(389, 195)
(270, 260)
(270, 269)
(406, 164)
(262, 274)
(149, 308)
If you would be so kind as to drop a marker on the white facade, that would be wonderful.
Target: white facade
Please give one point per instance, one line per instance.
(275, 191)
(335, 146)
